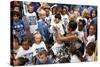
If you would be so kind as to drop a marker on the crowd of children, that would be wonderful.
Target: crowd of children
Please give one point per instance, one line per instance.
(51, 33)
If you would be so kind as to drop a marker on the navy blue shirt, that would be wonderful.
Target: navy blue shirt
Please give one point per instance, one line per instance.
(18, 25)
(49, 61)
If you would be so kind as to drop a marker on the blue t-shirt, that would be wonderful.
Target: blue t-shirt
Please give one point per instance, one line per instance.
(18, 25)
(49, 61)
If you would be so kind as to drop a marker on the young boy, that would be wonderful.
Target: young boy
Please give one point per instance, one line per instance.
(17, 26)
(43, 58)
(58, 45)
(25, 51)
(42, 26)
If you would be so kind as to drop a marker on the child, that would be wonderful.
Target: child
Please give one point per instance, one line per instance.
(71, 36)
(30, 18)
(57, 46)
(57, 25)
(39, 45)
(42, 26)
(92, 32)
(75, 55)
(91, 37)
(81, 24)
(17, 26)
(91, 52)
(48, 15)
(94, 17)
(25, 51)
(65, 17)
(21, 61)
(85, 14)
(43, 58)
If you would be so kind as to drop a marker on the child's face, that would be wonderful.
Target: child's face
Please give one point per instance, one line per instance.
(92, 30)
(16, 9)
(58, 11)
(80, 26)
(25, 45)
(30, 9)
(38, 38)
(57, 20)
(64, 11)
(43, 16)
(42, 58)
(93, 14)
(15, 17)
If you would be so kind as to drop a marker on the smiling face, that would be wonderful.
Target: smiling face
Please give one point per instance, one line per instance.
(25, 45)
(92, 30)
(37, 38)
(64, 11)
(42, 14)
(30, 9)
(80, 26)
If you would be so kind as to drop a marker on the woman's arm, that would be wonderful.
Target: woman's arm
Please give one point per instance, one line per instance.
(72, 37)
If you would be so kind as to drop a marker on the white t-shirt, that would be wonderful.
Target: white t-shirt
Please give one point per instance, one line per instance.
(33, 21)
(90, 38)
(36, 48)
(74, 59)
(89, 58)
(56, 47)
(65, 19)
(60, 29)
(59, 26)
(80, 34)
(25, 53)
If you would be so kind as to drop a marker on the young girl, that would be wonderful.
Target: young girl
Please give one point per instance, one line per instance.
(91, 52)
(94, 16)
(57, 25)
(39, 45)
(65, 15)
(92, 32)
(91, 37)
(30, 18)
(75, 55)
